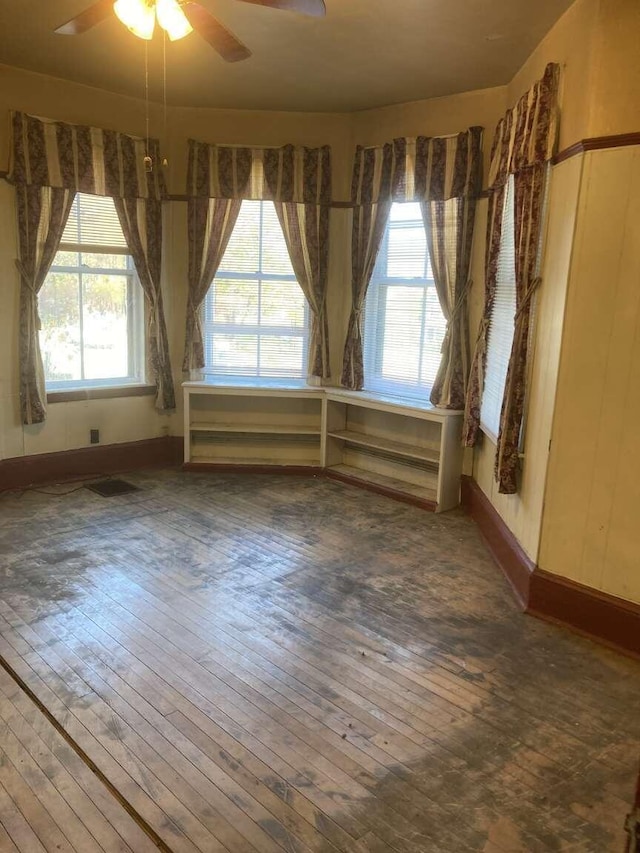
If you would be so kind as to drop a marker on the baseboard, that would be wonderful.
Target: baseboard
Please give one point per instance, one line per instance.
(596, 614)
(23, 471)
(516, 566)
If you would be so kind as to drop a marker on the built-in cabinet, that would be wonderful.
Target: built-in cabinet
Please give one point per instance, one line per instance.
(406, 449)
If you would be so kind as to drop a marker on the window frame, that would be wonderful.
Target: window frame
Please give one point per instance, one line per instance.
(136, 344)
(210, 326)
(373, 343)
(486, 428)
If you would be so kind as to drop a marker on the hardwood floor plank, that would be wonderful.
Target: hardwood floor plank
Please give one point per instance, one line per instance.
(257, 665)
(16, 825)
(107, 821)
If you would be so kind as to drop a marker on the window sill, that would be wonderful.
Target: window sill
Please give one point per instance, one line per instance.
(335, 392)
(74, 394)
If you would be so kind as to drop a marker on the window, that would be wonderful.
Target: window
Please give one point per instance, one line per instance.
(403, 323)
(501, 324)
(91, 303)
(255, 314)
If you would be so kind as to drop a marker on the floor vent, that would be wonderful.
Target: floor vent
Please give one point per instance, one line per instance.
(111, 488)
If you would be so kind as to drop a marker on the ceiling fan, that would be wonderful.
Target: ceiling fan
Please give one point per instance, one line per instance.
(179, 18)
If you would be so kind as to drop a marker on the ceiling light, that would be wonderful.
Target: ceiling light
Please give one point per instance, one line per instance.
(138, 15)
(172, 19)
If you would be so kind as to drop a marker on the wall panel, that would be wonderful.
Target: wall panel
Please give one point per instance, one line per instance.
(590, 529)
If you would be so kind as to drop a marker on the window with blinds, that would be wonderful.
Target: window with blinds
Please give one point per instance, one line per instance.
(403, 323)
(501, 324)
(255, 314)
(91, 304)
(93, 221)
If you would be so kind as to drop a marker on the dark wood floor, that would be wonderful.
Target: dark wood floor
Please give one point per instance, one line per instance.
(258, 664)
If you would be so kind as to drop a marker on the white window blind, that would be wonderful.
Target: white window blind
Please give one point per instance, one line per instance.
(93, 221)
(501, 324)
(403, 325)
(255, 314)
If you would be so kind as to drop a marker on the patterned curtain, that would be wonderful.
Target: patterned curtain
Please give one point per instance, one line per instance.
(141, 221)
(306, 233)
(42, 216)
(298, 181)
(210, 224)
(431, 170)
(83, 159)
(523, 146)
(449, 227)
(50, 162)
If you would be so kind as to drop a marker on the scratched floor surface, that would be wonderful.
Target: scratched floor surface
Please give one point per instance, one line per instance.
(258, 664)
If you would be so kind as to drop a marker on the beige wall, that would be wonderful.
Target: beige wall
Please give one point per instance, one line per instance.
(590, 529)
(615, 88)
(68, 424)
(570, 43)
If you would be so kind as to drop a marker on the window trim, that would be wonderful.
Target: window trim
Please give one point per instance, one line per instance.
(209, 327)
(136, 338)
(373, 353)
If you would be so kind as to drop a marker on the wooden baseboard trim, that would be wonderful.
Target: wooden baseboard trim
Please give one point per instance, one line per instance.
(598, 615)
(505, 548)
(24, 471)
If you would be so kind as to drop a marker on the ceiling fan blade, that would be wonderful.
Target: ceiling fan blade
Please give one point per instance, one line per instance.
(316, 8)
(219, 37)
(86, 20)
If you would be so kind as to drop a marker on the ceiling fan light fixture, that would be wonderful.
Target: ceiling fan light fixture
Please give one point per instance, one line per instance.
(138, 16)
(172, 19)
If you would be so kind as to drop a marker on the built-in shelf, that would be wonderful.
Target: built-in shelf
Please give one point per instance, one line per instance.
(264, 429)
(384, 444)
(397, 446)
(390, 483)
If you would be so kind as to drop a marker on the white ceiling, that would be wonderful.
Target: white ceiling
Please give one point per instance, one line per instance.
(365, 53)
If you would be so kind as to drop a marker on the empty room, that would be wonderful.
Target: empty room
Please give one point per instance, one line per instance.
(319, 421)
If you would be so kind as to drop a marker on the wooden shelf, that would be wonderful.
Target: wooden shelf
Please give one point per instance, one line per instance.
(424, 454)
(259, 429)
(406, 449)
(249, 462)
(421, 492)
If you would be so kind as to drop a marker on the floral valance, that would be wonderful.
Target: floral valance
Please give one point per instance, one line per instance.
(419, 169)
(527, 134)
(48, 153)
(287, 174)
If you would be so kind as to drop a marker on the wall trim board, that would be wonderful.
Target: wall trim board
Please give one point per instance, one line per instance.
(516, 566)
(595, 614)
(24, 471)
(106, 393)
(597, 143)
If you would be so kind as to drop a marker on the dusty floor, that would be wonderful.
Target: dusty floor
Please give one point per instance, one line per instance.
(263, 663)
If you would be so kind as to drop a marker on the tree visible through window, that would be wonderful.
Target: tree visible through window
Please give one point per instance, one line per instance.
(91, 303)
(255, 314)
(404, 326)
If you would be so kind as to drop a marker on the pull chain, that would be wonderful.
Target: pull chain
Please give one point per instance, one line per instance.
(148, 161)
(164, 92)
